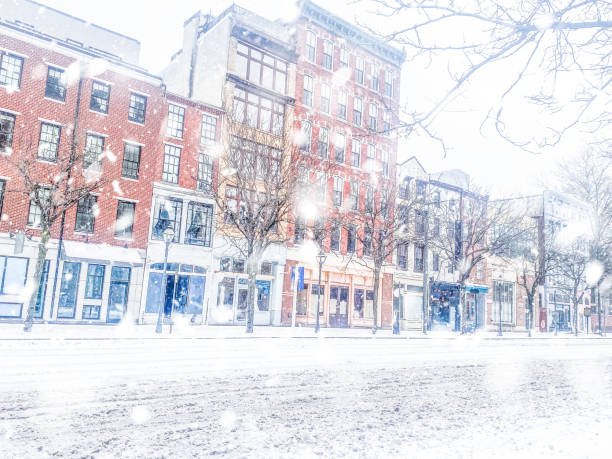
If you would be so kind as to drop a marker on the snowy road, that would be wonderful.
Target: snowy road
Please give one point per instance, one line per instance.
(305, 397)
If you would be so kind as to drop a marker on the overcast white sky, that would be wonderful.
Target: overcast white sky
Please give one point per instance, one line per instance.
(158, 24)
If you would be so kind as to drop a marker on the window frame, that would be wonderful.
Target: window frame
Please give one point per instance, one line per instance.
(52, 141)
(206, 226)
(175, 126)
(97, 279)
(171, 169)
(7, 74)
(85, 219)
(130, 167)
(323, 142)
(6, 137)
(357, 120)
(134, 110)
(55, 89)
(98, 103)
(307, 90)
(205, 172)
(328, 55)
(208, 130)
(278, 67)
(124, 233)
(356, 147)
(88, 159)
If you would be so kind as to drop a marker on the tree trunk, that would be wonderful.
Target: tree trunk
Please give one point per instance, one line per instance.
(252, 273)
(529, 317)
(575, 317)
(375, 304)
(461, 308)
(40, 261)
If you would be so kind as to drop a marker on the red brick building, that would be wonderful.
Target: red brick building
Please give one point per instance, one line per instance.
(55, 92)
(347, 88)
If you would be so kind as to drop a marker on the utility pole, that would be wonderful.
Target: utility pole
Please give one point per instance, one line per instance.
(426, 267)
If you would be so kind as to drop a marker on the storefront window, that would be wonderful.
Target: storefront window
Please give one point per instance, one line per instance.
(358, 297)
(68, 290)
(301, 304)
(263, 295)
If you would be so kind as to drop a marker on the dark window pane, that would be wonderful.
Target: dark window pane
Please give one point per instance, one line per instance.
(100, 95)
(56, 86)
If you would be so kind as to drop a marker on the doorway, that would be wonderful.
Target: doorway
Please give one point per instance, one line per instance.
(338, 307)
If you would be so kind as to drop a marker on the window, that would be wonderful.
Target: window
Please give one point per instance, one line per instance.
(124, 225)
(388, 83)
(199, 224)
(7, 123)
(421, 188)
(56, 85)
(436, 262)
(334, 243)
(356, 153)
(340, 147)
(13, 271)
(299, 231)
(373, 119)
(87, 209)
(176, 120)
(205, 172)
(374, 83)
(118, 293)
(209, 129)
(354, 196)
(418, 258)
(2, 189)
(369, 199)
(10, 69)
(95, 282)
(307, 94)
(261, 68)
(479, 272)
(306, 136)
(359, 69)
(91, 312)
(367, 241)
(402, 256)
(319, 230)
(302, 301)
(92, 157)
(320, 186)
(338, 191)
(69, 289)
(328, 53)
(100, 95)
(404, 188)
(503, 292)
(172, 160)
(323, 142)
(138, 108)
(357, 110)
(170, 209)
(311, 46)
(385, 162)
(344, 57)
(387, 122)
(342, 98)
(436, 226)
(238, 265)
(263, 295)
(371, 157)
(419, 222)
(351, 239)
(48, 142)
(258, 112)
(436, 199)
(41, 293)
(131, 161)
(325, 98)
(35, 212)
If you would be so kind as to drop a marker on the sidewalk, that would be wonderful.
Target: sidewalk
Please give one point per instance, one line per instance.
(15, 331)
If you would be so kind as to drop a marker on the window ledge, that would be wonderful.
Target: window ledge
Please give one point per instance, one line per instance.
(98, 113)
(46, 161)
(82, 233)
(56, 100)
(135, 122)
(129, 179)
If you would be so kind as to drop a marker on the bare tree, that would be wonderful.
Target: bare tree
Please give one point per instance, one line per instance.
(555, 55)
(571, 263)
(53, 189)
(476, 227)
(384, 225)
(588, 177)
(255, 196)
(535, 262)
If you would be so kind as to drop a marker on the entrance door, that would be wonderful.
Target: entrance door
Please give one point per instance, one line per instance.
(241, 305)
(177, 290)
(338, 307)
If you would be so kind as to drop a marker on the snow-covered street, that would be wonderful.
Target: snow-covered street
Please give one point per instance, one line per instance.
(305, 397)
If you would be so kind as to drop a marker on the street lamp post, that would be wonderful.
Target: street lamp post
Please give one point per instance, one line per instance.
(321, 259)
(168, 236)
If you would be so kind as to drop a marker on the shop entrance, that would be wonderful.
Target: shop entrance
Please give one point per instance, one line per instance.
(338, 307)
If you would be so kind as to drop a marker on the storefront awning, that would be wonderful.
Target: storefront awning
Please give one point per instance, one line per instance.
(103, 253)
(476, 288)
